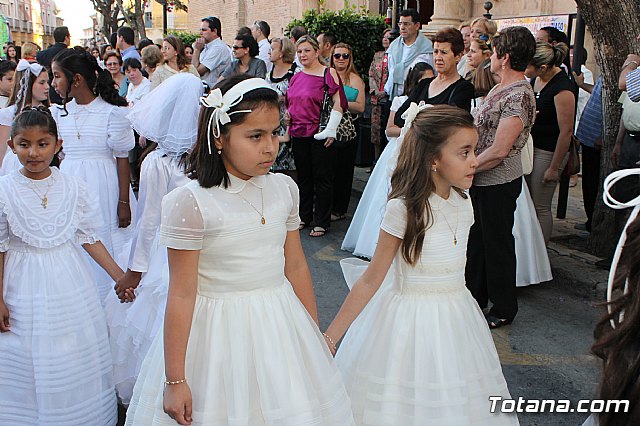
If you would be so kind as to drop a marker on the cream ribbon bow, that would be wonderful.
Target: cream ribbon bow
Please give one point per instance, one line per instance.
(609, 181)
(35, 67)
(221, 104)
(412, 112)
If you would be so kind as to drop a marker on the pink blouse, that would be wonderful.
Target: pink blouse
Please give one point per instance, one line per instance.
(304, 102)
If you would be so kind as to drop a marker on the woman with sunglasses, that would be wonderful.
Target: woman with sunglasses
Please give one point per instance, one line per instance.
(342, 62)
(313, 149)
(245, 52)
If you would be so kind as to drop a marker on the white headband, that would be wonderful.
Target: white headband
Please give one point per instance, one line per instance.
(609, 181)
(221, 104)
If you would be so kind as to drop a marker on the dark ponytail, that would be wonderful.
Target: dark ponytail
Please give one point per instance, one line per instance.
(78, 61)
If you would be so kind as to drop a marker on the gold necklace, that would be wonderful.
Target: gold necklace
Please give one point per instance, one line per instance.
(75, 119)
(43, 197)
(454, 232)
(261, 211)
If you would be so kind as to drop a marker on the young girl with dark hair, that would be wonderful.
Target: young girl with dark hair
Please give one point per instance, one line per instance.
(97, 138)
(420, 352)
(168, 115)
(618, 333)
(241, 342)
(56, 363)
(30, 89)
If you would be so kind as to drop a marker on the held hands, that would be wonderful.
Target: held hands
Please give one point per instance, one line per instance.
(551, 175)
(125, 286)
(124, 214)
(177, 403)
(5, 324)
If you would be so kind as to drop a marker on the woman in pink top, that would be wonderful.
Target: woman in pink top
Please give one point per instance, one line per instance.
(312, 151)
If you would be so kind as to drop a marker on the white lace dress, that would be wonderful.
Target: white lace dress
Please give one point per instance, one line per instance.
(254, 355)
(94, 136)
(10, 161)
(420, 353)
(133, 326)
(362, 236)
(56, 364)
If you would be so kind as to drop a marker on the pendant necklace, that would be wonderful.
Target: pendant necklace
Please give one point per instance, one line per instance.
(43, 197)
(261, 211)
(454, 232)
(75, 118)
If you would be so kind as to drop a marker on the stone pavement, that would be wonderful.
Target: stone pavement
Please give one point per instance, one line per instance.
(570, 263)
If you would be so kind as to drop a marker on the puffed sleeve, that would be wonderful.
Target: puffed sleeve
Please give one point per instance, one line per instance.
(182, 224)
(154, 181)
(394, 221)
(7, 115)
(293, 221)
(90, 217)
(119, 132)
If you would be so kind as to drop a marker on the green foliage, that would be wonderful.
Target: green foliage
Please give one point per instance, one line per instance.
(186, 37)
(363, 32)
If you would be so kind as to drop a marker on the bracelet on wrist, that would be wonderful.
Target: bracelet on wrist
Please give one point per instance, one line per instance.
(626, 64)
(331, 342)
(174, 382)
(123, 202)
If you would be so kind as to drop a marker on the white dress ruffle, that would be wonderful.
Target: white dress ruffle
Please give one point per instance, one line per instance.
(94, 136)
(56, 363)
(421, 352)
(254, 355)
(133, 326)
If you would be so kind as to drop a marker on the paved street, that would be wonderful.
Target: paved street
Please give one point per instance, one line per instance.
(544, 353)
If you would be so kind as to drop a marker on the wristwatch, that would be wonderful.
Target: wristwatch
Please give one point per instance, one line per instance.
(627, 63)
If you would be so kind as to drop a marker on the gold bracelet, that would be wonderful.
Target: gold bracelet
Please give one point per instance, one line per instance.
(123, 202)
(177, 382)
(330, 341)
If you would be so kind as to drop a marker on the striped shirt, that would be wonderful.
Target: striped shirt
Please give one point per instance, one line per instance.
(590, 126)
(633, 85)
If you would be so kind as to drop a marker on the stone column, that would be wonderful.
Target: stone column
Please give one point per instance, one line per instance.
(448, 13)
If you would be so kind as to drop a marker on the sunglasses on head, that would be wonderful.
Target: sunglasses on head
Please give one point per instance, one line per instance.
(341, 55)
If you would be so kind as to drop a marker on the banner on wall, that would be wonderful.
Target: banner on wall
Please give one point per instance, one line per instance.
(5, 33)
(534, 23)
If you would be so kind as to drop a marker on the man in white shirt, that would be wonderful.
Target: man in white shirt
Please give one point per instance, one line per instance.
(210, 55)
(404, 50)
(260, 31)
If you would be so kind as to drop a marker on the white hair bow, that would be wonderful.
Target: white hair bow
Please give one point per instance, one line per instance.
(609, 181)
(223, 103)
(412, 112)
(35, 67)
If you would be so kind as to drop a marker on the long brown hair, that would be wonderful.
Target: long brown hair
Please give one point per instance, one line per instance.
(178, 45)
(21, 94)
(619, 347)
(412, 178)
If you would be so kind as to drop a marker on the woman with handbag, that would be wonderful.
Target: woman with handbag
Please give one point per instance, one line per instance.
(553, 129)
(346, 141)
(315, 101)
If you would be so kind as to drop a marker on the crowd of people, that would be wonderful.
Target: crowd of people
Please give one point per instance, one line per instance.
(150, 224)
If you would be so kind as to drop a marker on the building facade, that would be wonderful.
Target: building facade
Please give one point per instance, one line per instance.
(30, 20)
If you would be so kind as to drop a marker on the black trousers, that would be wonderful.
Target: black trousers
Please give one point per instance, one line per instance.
(316, 170)
(491, 251)
(590, 180)
(343, 181)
